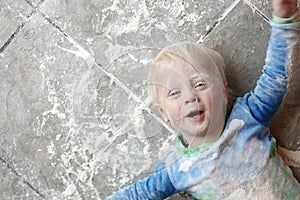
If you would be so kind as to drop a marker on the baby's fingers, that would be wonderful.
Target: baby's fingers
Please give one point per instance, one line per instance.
(284, 8)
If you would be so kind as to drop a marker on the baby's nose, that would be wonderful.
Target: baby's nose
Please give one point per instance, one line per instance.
(190, 97)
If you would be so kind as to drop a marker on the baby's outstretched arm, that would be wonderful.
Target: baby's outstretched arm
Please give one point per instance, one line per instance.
(156, 186)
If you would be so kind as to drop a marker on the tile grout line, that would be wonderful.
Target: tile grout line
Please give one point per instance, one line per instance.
(219, 20)
(14, 34)
(259, 12)
(224, 15)
(21, 26)
(14, 171)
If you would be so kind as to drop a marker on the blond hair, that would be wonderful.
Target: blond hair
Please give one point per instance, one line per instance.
(181, 53)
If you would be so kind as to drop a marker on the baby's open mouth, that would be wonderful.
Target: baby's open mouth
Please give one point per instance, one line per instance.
(195, 113)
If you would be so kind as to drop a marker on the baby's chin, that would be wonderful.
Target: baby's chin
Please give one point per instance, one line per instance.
(198, 130)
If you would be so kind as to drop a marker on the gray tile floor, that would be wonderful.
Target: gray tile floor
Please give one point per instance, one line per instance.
(74, 116)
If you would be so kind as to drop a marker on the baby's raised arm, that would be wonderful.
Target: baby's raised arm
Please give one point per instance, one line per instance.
(265, 99)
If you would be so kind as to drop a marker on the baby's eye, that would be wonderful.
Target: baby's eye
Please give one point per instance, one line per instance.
(199, 85)
(174, 92)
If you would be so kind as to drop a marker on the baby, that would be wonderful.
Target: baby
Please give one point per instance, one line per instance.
(219, 157)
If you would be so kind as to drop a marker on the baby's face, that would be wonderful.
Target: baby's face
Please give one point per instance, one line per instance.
(192, 100)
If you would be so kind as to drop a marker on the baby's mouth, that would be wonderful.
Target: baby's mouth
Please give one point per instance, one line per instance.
(198, 114)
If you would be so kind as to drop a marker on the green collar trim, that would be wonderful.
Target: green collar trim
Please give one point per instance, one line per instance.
(191, 152)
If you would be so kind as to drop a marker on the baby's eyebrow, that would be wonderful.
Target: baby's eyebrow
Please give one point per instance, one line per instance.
(199, 76)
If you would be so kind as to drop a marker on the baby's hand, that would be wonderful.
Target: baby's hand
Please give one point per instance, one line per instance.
(284, 8)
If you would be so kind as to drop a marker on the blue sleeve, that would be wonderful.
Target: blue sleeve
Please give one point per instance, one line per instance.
(265, 99)
(156, 186)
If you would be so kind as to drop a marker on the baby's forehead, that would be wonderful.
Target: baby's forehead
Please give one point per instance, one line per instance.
(185, 70)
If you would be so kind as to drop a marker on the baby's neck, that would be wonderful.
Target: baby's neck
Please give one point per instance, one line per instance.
(193, 141)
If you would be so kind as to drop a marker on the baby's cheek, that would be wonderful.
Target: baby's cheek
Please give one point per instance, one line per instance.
(176, 121)
(179, 121)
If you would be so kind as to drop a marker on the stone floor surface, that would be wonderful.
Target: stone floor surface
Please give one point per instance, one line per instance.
(75, 120)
